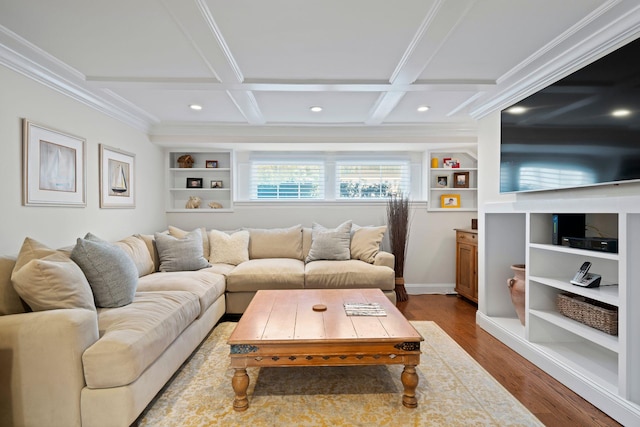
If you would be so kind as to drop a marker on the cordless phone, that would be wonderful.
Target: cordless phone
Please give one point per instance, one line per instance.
(584, 278)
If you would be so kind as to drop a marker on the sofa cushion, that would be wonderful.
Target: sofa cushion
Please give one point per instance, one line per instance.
(205, 283)
(150, 241)
(228, 248)
(276, 242)
(365, 242)
(176, 232)
(330, 244)
(112, 274)
(134, 336)
(267, 273)
(348, 274)
(47, 279)
(137, 250)
(181, 254)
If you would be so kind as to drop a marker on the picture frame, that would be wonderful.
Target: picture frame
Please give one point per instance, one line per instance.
(54, 167)
(450, 201)
(194, 182)
(451, 163)
(442, 181)
(211, 164)
(117, 178)
(216, 184)
(461, 180)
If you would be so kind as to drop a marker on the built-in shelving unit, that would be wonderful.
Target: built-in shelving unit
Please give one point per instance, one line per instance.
(599, 366)
(441, 180)
(217, 182)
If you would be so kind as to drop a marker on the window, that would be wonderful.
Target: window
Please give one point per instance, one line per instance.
(371, 179)
(287, 180)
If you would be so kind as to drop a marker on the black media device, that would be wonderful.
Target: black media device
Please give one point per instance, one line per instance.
(567, 225)
(602, 244)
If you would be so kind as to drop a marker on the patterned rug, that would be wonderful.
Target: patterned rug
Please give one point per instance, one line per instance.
(453, 391)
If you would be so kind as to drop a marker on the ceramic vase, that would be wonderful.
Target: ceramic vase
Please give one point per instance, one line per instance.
(517, 290)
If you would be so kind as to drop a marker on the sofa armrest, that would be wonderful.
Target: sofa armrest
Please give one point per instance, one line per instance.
(386, 259)
(41, 374)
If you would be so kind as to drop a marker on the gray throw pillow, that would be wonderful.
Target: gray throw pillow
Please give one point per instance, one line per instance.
(330, 244)
(183, 254)
(112, 274)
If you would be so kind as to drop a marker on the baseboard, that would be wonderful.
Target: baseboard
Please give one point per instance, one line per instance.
(430, 288)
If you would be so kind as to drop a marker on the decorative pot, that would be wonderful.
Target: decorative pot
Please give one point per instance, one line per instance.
(517, 289)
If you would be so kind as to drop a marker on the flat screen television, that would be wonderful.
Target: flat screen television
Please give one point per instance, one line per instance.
(583, 130)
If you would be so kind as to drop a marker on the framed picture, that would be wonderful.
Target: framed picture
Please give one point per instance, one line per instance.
(117, 178)
(53, 167)
(216, 184)
(461, 180)
(194, 182)
(450, 201)
(442, 181)
(450, 163)
(211, 163)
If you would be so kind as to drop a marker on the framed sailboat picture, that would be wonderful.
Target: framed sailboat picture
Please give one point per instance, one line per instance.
(117, 178)
(54, 167)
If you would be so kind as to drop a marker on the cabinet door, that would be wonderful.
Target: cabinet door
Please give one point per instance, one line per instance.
(464, 266)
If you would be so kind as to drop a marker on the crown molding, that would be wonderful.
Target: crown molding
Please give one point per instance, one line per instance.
(29, 60)
(614, 24)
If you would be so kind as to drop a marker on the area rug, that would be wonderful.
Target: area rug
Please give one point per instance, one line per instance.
(453, 391)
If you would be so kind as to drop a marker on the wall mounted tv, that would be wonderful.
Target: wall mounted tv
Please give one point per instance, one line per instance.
(580, 131)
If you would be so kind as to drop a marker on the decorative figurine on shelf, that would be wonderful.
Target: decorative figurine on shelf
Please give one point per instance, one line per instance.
(215, 205)
(185, 161)
(193, 202)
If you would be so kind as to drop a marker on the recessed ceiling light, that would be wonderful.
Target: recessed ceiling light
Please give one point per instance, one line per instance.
(516, 110)
(423, 108)
(620, 113)
(195, 107)
(315, 109)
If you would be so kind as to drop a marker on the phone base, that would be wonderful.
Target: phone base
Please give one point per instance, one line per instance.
(590, 280)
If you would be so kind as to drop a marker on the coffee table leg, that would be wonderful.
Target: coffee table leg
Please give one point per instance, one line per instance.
(410, 382)
(240, 383)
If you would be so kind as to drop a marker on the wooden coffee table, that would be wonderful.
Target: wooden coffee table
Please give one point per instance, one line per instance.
(283, 328)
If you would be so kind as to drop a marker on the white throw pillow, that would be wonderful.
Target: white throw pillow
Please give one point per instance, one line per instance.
(330, 244)
(228, 248)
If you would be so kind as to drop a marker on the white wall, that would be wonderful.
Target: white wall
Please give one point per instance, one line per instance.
(60, 226)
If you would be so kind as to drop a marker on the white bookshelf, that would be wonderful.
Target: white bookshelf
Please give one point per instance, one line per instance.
(178, 192)
(601, 367)
(467, 165)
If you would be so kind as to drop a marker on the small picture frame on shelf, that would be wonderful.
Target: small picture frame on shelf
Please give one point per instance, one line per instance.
(211, 164)
(450, 201)
(451, 163)
(442, 181)
(216, 184)
(461, 180)
(194, 182)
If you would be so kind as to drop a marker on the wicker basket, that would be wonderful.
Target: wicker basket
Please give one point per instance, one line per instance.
(596, 314)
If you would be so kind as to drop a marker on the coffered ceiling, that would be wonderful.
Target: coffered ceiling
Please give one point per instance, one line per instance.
(258, 66)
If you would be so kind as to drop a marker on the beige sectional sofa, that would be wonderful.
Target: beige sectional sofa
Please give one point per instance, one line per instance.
(67, 358)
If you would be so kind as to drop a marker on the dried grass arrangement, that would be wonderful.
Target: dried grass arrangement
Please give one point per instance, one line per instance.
(398, 225)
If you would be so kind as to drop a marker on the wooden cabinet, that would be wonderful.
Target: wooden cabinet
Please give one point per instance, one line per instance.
(467, 264)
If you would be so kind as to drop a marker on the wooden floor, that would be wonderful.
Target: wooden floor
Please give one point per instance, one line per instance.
(553, 403)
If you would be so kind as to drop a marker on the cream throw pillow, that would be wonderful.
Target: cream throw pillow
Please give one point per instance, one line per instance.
(180, 234)
(330, 244)
(47, 279)
(365, 242)
(228, 248)
(136, 248)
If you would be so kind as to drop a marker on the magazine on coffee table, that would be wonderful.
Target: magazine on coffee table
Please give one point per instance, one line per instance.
(364, 309)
